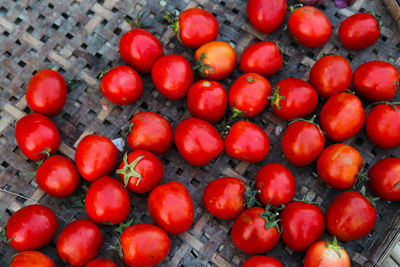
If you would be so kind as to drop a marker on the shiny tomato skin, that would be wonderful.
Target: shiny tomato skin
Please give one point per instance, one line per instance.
(207, 100)
(330, 75)
(46, 92)
(31, 258)
(171, 207)
(350, 216)
(57, 176)
(249, 93)
(102, 262)
(384, 178)
(266, 15)
(140, 49)
(198, 141)
(342, 116)
(359, 31)
(36, 133)
(32, 227)
(224, 197)
(246, 141)
(321, 255)
(150, 131)
(262, 261)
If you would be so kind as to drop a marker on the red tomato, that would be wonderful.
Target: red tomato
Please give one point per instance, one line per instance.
(207, 100)
(326, 254)
(46, 92)
(103, 262)
(140, 49)
(172, 76)
(141, 171)
(254, 232)
(144, 245)
(338, 166)
(95, 157)
(266, 15)
(57, 176)
(310, 26)
(198, 141)
(31, 259)
(330, 75)
(263, 58)
(350, 216)
(171, 207)
(359, 31)
(342, 116)
(376, 81)
(262, 261)
(384, 179)
(246, 141)
(36, 134)
(294, 98)
(79, 242)
(31, 227)
(215, 60)
(276, 184)
(249, 94)
(150, 131)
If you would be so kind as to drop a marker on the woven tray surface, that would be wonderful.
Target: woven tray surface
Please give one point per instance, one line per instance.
(82, 38)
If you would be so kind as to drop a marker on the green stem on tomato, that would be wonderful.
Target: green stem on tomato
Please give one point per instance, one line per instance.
(201, 66)
(129, 170)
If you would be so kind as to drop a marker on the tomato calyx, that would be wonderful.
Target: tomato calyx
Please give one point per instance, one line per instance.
(305, 200)
(201, 66)
(294, 7)
(80, 199)
(270, 218)
(380, 23)
(312, 121)
(392, 104)
(372, 200)
(129, 170)
(276, 98)
(45, 151)
(249, 196)
(137, 23)
(119, 230)
(394, 187)
(3, 236)
(103, 73)
(334, 246)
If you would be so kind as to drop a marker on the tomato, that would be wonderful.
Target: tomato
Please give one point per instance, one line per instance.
(338, 166)
(262, 261)
(207, 100)
(171, 207)
(359, 31)
(36, 134)
(95, 157)
(330, 75)
(326, 254)
(246, 141)
(376, 81)
(57, 176)
(150, 131)
(79, 242)
(215, 60)
(310, 26)
(342, 116)
(102, 262)
(31, 259)
(31, 227)
(141, 171)
(384, 178)
(350, 216)
(276, 184)
(198, 141)
(140, 49)
(46, 92)
(249, 94)
(144, 245)
(294, 98)
(263, 58)
(255, 231)
(266, 15)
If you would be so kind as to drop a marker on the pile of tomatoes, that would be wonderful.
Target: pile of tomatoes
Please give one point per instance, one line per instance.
(265, 211)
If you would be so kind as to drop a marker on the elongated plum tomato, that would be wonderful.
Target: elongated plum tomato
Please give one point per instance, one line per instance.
(140, 49)
(31, 258)
(326, 254)
(266, 15)
(262, 261)
(36, 134)
(384, 178)
(46, 92)
(102, 262)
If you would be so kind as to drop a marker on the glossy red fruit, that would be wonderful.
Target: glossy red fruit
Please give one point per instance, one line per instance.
(326, 254)
(384, 179)
(102, 262)
(266, 15)
(31, 259)
(262, 261)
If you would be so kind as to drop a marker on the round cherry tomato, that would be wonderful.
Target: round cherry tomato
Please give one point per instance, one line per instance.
(95, 157)
(350, 216)
(330, 75)
(384, 179)
(215, 60)
(31, 259)
(376, 81)
(57, 176)
(150, 131)
(249, 94)
(171, 207)
(262, 261)
(266, 15)
(342, 116)
(31, 227)
(79, 242)
(207, 100)
(310, 26)
(140, 49)
(36, 134)
(103, 262)
(246, 141)
(198, 141)
(326, 254)
(359, 31)
(46, 92)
